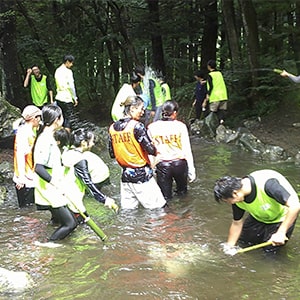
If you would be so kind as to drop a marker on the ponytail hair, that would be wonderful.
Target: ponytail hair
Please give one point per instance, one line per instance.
(80, 135)
(168, 108)
(49, 114)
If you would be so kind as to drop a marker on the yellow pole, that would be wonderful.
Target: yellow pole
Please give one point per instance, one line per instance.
(264, 244)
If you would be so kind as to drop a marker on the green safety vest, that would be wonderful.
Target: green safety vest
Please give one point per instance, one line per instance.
(159, 97)
(264, 208)
(219, 91)
(166, 91)
(39, 91)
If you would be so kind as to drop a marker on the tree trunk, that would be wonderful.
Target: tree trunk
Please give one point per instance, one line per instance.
(296, 37)
(36, 36)
(11, 81)
(251, 33)
(231, 32)
(210, 33)
(126, 46)
(158, 61)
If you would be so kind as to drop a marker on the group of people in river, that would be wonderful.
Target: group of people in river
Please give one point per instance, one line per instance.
(54, 165)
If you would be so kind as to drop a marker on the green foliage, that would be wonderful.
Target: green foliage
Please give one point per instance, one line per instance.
(108, 38)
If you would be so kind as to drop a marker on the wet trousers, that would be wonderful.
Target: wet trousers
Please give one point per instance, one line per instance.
(255, 232)
(67, 222)
(167, 171)
(68, 113)
(25, 196)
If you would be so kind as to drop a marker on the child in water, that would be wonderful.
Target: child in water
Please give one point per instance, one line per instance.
(81, 168)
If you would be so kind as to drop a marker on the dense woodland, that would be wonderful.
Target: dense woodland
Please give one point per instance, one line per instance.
(248, 38)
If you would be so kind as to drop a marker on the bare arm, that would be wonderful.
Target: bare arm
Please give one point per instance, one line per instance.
(51, 96)
(27, 78)
(279, 237)
(235, 232)
(292, 77)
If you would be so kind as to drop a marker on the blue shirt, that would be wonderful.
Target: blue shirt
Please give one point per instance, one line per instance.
(200, 92)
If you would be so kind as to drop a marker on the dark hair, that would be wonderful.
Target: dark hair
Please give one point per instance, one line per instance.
(140, 69)
(212, 63)
(160, 76)
(50, 113)
(35, 65)
(225, 186)
(131, 101)
(80, 135)
(62, 136)
(168, 108)
(200, 74)
(69, 58)
(134, 78)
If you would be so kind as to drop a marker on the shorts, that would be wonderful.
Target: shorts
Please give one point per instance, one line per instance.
(148, 194)
(218, 105)
(255, 232)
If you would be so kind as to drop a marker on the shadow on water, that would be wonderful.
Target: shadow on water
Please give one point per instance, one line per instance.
(157, 254)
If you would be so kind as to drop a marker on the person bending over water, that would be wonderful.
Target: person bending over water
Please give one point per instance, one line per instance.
(272, 203)
(78, 175)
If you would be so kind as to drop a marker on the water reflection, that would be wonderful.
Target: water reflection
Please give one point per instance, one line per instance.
(154, 254)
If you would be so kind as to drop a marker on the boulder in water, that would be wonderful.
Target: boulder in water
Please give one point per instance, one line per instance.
(14, 282)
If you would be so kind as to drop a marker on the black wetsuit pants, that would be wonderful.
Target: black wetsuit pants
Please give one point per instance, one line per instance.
(166, 171)
(67, 222)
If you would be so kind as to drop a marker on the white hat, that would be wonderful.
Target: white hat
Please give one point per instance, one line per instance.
(31, 112)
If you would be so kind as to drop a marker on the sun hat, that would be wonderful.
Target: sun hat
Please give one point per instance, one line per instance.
(31, 112)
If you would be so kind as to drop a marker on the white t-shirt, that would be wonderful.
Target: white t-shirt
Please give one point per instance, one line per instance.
(117, 111)
(98, 170)
(172, 142)
(65, 87)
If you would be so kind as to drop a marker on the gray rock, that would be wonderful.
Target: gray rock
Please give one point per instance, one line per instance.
(14, 282)
(209, 128)
(8, 115)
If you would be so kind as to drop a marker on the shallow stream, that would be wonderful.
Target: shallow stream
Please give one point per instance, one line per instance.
(153, 254)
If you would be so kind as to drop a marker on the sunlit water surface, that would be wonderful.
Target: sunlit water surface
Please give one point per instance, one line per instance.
(158, 254)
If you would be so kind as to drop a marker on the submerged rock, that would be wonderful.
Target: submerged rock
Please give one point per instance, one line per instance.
(14, 282)
(176, 258)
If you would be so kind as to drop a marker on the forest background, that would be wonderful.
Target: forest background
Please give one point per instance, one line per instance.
(247, 38)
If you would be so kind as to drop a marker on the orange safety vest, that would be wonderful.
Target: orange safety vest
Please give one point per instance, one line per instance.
(29, 166)
(128, 152)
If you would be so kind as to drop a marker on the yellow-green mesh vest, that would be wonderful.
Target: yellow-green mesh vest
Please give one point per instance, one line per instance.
(219, 91)
(166, 92)
(264, 208)
(159, 97)
(39, 91)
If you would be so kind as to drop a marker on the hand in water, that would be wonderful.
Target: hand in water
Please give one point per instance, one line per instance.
(111, 204)
(192, 177)
(230, 250)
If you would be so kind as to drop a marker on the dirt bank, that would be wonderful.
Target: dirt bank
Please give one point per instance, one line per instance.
(278, 128)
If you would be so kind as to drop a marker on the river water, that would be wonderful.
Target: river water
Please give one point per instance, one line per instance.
(153, 254)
